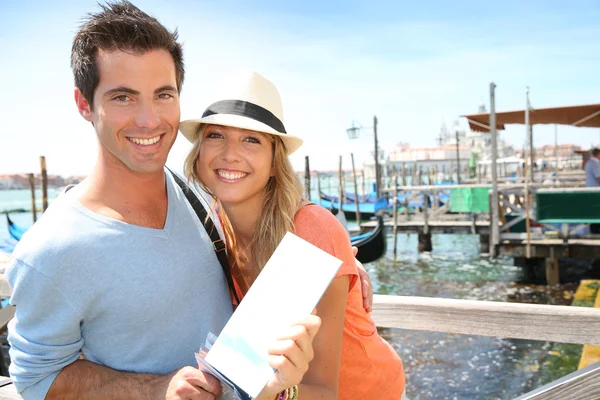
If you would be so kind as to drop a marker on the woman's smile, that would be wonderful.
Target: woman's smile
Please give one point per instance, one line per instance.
(230, 176)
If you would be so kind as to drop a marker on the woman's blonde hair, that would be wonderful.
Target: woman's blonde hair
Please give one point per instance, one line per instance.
(283, 197)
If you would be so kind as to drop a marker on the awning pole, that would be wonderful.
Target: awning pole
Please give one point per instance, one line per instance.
(529, 135)
(494, 217)
(555, 153)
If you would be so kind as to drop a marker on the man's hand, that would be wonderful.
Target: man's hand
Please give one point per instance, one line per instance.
(290, 355)
(190, 383)
(365, 283)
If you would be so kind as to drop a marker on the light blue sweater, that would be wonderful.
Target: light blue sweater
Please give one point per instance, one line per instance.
(130, 298)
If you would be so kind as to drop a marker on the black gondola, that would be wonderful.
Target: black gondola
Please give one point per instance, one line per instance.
(371, 245)
(368, 210)
(14, 230)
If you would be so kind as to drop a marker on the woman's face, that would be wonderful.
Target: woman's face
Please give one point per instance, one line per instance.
(235, 164)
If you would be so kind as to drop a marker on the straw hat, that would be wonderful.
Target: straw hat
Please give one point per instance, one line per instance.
(247, 100)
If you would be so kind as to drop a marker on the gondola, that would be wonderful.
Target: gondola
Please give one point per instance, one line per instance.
(367, 210)
(371, 245)
(15, 231)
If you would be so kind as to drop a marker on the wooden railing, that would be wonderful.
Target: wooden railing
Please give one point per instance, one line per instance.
(507, 320)
(580, 385)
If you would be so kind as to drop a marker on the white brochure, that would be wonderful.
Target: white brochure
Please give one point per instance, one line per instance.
(286, 291)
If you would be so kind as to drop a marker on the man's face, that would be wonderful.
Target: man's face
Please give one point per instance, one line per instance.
(136, 109)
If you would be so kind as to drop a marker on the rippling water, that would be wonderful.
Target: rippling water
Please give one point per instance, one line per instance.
(451, 366)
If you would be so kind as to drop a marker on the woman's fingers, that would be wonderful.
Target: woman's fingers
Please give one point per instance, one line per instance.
(292, 352)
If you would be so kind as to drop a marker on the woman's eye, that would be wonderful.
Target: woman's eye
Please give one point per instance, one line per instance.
(252, 139)
(214, 135)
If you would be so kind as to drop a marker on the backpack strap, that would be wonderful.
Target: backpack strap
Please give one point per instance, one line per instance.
(209, 226)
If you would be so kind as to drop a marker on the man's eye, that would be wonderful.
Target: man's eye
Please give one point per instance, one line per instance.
(165, 96)
(121, 98)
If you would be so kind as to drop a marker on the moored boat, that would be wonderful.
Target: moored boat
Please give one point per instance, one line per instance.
(371, 245)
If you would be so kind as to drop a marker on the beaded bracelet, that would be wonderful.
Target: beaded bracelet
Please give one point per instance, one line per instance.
(294, 393)
(289, 394)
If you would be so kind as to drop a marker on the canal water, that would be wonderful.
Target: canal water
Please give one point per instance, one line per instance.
(451, 366)
(438, 365)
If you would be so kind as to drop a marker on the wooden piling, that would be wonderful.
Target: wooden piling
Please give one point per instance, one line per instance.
(484, 243)
(404, 183)
(425, 237)
(413, 177)
(435, 199)
(552, 269)
(527, 221)
(44, 183)
(406, 205)
(307, 178)
(355, 190)
(364, 184)
(395, 213)
(33, 206)
(341, 187)
(493, 221)
(430, 178)
(319, 187)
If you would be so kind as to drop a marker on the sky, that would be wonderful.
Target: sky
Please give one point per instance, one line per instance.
(415, 65)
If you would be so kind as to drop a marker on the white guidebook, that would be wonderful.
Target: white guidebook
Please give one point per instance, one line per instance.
(286, 291)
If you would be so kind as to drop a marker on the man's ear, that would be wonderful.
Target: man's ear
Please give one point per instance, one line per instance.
(83, 106)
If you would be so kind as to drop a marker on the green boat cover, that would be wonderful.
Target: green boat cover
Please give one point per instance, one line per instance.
(470, 200)
(578, 207)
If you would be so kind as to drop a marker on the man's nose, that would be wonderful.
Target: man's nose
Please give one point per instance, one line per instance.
(148, 116)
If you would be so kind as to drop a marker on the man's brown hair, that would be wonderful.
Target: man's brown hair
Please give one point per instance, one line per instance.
(119, 26)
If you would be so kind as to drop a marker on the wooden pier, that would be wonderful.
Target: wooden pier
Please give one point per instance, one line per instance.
(514, 200)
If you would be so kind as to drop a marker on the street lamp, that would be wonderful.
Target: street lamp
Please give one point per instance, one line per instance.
(353, 133)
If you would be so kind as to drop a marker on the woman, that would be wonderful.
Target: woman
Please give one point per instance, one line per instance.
(240, 156)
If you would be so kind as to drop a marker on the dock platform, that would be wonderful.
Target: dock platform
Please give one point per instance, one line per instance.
(437, 226)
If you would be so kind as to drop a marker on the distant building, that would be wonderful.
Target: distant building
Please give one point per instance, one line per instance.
(21, 181)
(563, 150)
(428, 155)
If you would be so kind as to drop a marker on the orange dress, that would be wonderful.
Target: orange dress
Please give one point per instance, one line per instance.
(370, 368)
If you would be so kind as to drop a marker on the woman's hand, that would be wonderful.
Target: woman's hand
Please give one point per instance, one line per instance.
(365, 283)
(290, 355)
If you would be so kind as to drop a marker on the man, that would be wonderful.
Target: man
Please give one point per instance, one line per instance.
(118, 284)
(592, 178)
